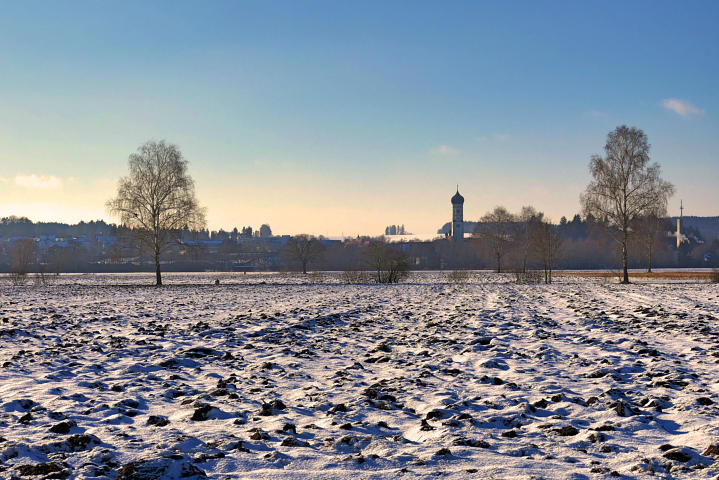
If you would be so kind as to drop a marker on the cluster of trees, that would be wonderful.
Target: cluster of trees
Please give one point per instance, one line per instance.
(97, 246)
(396, 230)
(518, 242)
(387, 262)
(24, 227)
(625, 202)
(524, 240)
(245, 232)
(584, 243)
(626, 188)
(626, 194)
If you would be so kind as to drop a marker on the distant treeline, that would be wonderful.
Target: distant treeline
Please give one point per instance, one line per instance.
(583, 243)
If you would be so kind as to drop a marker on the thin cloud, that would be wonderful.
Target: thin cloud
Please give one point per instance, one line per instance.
(681, 107)
(444, 150)
(42, 182)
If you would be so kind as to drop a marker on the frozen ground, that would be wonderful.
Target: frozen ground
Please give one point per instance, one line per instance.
(264, 377)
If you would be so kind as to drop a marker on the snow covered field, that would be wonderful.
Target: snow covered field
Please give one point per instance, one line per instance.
(266, 377)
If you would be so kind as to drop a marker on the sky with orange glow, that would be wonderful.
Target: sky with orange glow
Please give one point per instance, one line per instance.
(339, 118)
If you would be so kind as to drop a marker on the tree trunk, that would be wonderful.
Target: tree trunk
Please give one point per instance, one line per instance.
(546, 265)
(548, 259)
(304, 267)
(650, 259)
(625, 258)
(158, 275)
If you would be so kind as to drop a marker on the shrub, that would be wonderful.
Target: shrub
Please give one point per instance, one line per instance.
(389, 262)
(458, 276)
(42, 279)
(18, 278)
(316, 277)
(355, 276)
(528, 276)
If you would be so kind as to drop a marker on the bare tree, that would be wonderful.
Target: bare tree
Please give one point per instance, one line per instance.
(523, 233)
(624, 185)
(157, 199)
(647, 229)
(546, 242)
(390, 263)
(115, 254)
(59, 259)
(301, 250)
(23, 254)
(457, 276)
(496, 228)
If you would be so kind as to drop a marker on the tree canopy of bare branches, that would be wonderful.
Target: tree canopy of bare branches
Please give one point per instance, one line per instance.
(624, 185)
(157, 198)
(496, 228)
(301, 250)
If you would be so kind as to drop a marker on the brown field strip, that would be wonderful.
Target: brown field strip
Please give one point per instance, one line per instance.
(674, 275)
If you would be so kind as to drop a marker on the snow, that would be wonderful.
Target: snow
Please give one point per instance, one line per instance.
(267, 376)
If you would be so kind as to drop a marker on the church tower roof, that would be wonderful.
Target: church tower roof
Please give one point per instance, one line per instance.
(457, 198)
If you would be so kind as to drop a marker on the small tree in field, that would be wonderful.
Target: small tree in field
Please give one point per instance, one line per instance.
(624, 186)
(157, 199)
(23, 255)
(546, 243)
(301, 250)
(496, 228)
(528, 217)
(647, 229)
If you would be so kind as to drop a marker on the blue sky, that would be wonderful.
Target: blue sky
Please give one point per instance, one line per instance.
(343, 117)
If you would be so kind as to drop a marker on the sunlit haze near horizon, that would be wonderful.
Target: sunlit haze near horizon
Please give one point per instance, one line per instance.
(339, 118)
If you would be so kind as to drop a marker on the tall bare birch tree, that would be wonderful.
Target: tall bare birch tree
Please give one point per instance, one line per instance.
(624, 186)
(157, 199)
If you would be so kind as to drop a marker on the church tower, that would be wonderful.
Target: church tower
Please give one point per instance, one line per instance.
(457, 221)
